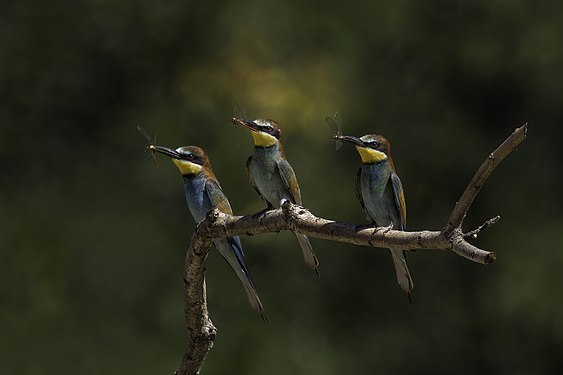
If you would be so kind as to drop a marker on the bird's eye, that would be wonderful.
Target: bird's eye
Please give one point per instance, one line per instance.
(374, 143)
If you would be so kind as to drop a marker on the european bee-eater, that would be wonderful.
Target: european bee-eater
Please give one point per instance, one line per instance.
(380, 192)
(204, 193)
(272, 176)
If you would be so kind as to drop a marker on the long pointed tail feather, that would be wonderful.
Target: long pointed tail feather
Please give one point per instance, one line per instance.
(310, 258)
(402, 270)
(230, 249)
(252, 295)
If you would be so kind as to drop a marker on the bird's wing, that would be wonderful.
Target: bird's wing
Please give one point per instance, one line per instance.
(220, 201)
(250, 179)
(399, 199)
(217, 197)
(359, 187)
(239, 256)
(253, 184)
(289, 180)
(230, 247)
(359, 193)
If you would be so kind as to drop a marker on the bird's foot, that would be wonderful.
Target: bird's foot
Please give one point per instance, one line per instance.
(386, 229)
(269, 207)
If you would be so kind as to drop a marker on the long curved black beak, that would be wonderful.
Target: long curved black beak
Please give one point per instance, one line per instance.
(354, 140)
(164, 150)
(247, 124)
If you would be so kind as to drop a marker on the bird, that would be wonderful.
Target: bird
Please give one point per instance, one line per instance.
(271, 175)
(204, 193)
(380, 192)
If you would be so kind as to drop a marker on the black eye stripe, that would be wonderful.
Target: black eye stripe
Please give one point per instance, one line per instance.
(191, 157)
(269, 130)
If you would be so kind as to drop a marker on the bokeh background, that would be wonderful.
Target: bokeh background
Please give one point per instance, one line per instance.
(93, 235)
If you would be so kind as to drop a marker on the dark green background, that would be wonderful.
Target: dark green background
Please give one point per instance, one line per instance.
(93, 235)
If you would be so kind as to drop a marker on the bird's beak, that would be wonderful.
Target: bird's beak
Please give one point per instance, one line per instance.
(247, 124)
(165, 151)
(354, 140)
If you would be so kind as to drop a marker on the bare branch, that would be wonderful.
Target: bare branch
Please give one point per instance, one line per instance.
(468, 251)
(298, 219)
(483, 227)
(476, 183)
(201, 330)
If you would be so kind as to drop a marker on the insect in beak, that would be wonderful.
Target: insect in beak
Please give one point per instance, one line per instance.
(335, 125)
(151, 143)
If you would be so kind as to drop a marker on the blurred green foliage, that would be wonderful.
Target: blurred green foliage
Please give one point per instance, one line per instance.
(93, 236)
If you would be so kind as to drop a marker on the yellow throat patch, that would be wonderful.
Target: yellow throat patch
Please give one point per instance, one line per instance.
(263, 139)
(370, 155)
(187, 167)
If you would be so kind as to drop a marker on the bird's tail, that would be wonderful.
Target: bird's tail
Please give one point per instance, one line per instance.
(310, 258)
(252, 294)
(403, 275)
(231, 250)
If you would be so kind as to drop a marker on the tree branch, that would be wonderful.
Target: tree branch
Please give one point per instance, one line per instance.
(201, 330)
(483, 227)
(476, 183)
(298, 219)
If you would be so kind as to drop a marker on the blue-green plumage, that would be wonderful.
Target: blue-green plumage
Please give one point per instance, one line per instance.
(272, 176)
(378, 196)
(380, 192)
(203, 193)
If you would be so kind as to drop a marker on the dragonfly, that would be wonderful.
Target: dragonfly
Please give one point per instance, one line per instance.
(239, 112)
(336, 126)
(151, 143)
